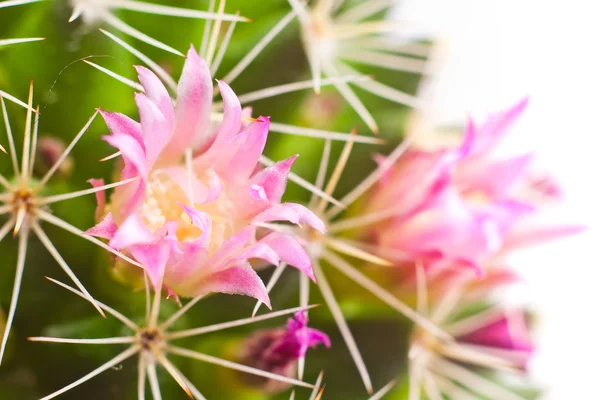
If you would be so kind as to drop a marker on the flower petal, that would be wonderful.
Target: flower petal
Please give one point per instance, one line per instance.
(290, 252)
(248, 153)
(291, 212)
(154, 258)
(503, 335)
(157, 93)
(132, 232)
(239, 279)
(120, 124)
(100, 197)
(194, 99)
(260, 251)
(156, 128)
(202, 220)
(127, 199)
(133, 154)
(231, 246)
(527, 236)
(274, 179)
(507, 174)
(495, 128)
(232, 114)
(105, 229)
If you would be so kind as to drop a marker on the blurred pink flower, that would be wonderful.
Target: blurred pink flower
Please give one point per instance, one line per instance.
(191, 216)
(459, 206)
(276, 350)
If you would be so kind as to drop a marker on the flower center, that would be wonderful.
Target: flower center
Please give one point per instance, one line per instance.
(150, 339)
(425, 341)
(23, 198)
(23, 204)
(163, 204)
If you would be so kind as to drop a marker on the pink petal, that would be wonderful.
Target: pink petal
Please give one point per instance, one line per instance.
(469, 139)
(413, 181)
(129, 197)
(120, 124)
(546, 186)
(274, 179)
(507, 174)
(157, 92)
(258, 192)
(524, 237)
(495, 128)
(314, 337)
(447, 227)
(232, 114)
(105, 229)
(199, 191)
(202, 220)
(291, 212)
(156, 128)
(290, 252)
(231, 246)
(251, 144)
(239, 279)
(100, 197)
(184, 269)
(133, 155)
(194, 100)
(154, 259)
(259, 251)
(132, 232)
(502, 335)
(215, 188)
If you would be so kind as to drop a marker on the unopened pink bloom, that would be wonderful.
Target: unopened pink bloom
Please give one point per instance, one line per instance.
(501, 335)
(276, 350)
(460, 205)
(194, 220)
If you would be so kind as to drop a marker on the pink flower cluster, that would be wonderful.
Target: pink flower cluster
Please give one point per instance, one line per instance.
(463, 206)
(458, 210)
(191, 215)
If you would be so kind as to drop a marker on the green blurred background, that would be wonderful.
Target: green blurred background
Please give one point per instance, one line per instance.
(68, 91)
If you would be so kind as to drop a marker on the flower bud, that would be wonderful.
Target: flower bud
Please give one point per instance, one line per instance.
(276, 350)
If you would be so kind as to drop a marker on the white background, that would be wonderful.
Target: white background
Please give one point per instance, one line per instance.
(495, 53)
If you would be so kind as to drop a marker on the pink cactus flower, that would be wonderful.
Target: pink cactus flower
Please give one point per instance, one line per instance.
(459, 206)
(191, 218)
(276, 350)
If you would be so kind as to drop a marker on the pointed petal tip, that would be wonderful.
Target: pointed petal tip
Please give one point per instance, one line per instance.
(140, 69)
(193, 54)
(524, 101)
